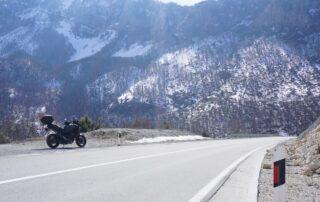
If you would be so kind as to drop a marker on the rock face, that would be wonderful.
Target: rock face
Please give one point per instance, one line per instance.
(306, 152)
(219, 67)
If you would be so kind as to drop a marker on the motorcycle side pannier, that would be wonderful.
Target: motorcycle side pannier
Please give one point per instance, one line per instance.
(47, 119)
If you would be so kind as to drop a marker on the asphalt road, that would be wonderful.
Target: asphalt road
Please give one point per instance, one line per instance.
(156, 172)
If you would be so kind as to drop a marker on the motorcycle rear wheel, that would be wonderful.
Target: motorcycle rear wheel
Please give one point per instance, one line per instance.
(53, 141)
(81, 141)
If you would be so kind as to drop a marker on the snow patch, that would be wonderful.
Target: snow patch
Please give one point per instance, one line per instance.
(66, 4)
(210, 106)
(314, 11)
(176, 86)
(169, 138)
(29, 14)
(183, 57)
(182, 2)
(85, 47)
(283, 133)
(53, 87)
(133, 51)
(143, 85)
(12, 93)
(292, 89)
(41, 110)
(246, 22)
(237, 96)
(38, 15)
(21, 37)
(76, 72)
(53, 84)
(125, 97)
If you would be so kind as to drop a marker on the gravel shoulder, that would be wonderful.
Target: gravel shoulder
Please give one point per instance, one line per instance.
(108, 137)
(96, 139)
(300, 185)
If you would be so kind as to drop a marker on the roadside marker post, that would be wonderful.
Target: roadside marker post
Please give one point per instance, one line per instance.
(279, 174)
(119, 139)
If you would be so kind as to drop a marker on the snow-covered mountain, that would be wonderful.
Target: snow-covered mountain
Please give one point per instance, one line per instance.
(219, 67)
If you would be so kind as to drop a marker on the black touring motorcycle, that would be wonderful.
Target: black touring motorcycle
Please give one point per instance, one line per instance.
(66, 135)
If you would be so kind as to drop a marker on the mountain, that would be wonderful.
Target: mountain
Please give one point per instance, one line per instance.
(218, 67)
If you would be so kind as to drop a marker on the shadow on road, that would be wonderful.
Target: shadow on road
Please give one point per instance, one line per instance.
(57, 149)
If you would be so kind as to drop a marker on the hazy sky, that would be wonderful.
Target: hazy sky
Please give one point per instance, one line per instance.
(183, 2)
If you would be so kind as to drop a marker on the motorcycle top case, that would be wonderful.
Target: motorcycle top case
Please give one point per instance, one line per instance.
(47, 119)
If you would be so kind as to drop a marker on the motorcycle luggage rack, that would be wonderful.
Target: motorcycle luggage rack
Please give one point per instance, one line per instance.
(47, 120)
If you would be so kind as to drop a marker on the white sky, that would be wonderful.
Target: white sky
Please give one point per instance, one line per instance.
(183, 2)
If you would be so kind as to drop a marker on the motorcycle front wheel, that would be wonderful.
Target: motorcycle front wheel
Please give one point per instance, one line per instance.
(52, 141)
(81, 141)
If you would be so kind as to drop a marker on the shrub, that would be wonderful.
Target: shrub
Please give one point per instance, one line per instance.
(99, 124)
(87, 124)
(3, 139)
(205, 134)
(166, 125)
(141, 123)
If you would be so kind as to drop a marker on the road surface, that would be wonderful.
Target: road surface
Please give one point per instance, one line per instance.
(155, 172)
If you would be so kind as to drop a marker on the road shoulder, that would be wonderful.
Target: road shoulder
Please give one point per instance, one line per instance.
(242, 184)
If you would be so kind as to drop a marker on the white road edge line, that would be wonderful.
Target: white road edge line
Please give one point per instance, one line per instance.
(98, 165)
(208, 191)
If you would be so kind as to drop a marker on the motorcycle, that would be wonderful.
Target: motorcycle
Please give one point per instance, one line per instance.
(57, 135)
